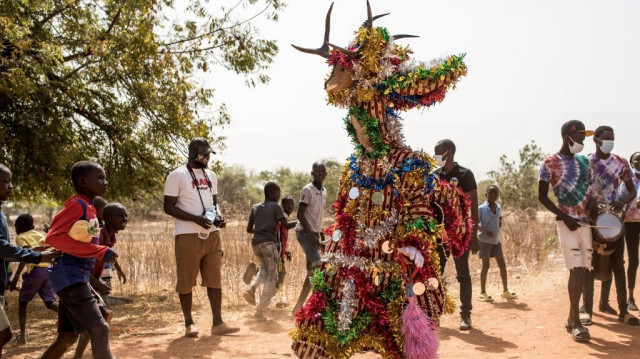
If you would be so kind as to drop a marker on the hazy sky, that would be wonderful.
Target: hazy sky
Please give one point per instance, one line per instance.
(531, 66)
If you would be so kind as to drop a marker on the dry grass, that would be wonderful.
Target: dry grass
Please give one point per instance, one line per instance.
(146, 252)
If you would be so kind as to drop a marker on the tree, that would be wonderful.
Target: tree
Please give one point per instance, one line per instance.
(115, 80)
(518, 182)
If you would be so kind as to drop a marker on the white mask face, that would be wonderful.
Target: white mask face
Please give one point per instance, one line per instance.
(575, 147)
(606, 147)
(440, 159)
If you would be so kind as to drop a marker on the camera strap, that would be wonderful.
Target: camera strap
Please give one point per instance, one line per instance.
(195, 183)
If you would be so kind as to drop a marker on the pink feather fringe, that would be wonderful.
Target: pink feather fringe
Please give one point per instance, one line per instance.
(420, 338)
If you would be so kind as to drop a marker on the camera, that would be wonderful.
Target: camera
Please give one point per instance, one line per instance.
(212, 215)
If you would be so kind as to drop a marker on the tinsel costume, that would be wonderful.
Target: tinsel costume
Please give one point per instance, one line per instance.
(373, 292)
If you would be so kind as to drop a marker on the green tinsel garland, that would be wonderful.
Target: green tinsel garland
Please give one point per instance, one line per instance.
(371, 129)
(453, 63)
(382, 31)
(392, 291)
(330, 313)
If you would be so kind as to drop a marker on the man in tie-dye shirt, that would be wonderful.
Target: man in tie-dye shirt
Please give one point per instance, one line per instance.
(568, 174)
(608, 172)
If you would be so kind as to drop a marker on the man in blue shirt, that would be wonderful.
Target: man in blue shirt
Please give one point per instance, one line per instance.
(489, 223)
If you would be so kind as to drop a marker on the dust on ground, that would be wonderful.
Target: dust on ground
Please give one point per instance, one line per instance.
(529, 327)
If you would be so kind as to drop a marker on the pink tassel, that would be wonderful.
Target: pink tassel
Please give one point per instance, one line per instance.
(420, 338)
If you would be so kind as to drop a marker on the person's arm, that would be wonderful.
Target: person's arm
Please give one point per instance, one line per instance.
(251, 223)
(473, 244)
(17, 254)
(120, 272)
(631, 194)
(543, 197)
(16, 276)
(302, 208)
(100, 286)
(223, 220)
(58, 236)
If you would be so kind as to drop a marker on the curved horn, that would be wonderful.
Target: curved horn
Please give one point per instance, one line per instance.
(374, 18)
(369, 24)
(345, 51)
(402, 36)
(324, 49)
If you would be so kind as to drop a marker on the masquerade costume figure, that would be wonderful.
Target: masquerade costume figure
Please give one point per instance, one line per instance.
(380, 288)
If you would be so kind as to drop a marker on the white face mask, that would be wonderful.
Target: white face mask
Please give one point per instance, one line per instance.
(575, 147)
(606, 147)
(440, 159)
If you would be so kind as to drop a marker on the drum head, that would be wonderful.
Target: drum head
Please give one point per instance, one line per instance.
(607, 219)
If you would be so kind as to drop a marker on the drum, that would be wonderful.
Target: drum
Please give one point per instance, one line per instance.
(608, 229)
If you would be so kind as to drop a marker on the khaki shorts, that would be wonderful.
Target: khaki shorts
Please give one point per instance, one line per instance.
(4, 321)
(193, 256)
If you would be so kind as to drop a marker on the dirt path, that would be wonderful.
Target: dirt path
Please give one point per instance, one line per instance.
(530, 327)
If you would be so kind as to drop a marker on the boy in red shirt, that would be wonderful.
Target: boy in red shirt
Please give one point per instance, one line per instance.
(115, 218)
(69, 274)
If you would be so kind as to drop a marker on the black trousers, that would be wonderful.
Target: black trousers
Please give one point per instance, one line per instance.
(464, 278)
(632, 238)
(617, 266)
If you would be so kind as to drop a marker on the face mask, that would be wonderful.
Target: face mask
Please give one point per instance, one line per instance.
(575, 147)
(440, 161)
(606, 147)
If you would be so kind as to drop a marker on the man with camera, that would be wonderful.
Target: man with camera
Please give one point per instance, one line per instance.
(190, 196)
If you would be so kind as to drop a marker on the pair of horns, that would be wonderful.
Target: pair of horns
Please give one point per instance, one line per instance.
(324, 49)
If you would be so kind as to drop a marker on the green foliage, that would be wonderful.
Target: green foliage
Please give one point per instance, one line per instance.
(117, 81)
(240, 188)
(518, 182)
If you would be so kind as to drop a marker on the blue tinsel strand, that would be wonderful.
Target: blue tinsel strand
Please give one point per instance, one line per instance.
(406, 165)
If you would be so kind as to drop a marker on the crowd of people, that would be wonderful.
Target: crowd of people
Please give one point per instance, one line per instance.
(69, 265)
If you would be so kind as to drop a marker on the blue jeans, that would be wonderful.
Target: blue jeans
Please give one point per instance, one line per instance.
(314, 259)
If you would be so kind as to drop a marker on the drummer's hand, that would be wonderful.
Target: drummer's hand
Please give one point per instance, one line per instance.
(570, 222)
(617, 206)
(489, 234)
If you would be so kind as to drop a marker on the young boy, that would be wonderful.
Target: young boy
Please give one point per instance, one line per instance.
(36, 278)
(313, 198)
(283, 236)
(69, 275)
(14, 253)
(489, 224)
(263, 222)
(115, 220)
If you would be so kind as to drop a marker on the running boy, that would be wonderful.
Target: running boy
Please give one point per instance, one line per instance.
(489, 224)
(69, 275)
(36, 279)
(14, 253)
(115, 220)
(283, 236)
(568, 174)
(263, 221)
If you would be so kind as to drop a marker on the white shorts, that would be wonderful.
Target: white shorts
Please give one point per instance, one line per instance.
(4, 321)
(576, 246)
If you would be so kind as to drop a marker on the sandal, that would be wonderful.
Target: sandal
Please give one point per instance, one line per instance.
(509, 295)
(629, 319)
(585, 318)
(249, 273)
(578, 333)
(631, 305)
(484, 297)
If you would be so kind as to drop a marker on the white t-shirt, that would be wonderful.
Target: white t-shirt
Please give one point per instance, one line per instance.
(315, 200)
(180, 184)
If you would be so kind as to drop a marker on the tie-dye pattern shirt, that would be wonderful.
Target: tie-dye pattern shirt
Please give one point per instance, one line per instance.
(633, 213)
(569, 178)
(606, 177)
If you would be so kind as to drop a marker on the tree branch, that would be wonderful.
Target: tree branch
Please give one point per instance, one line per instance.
(216, 30)
(53, 14)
